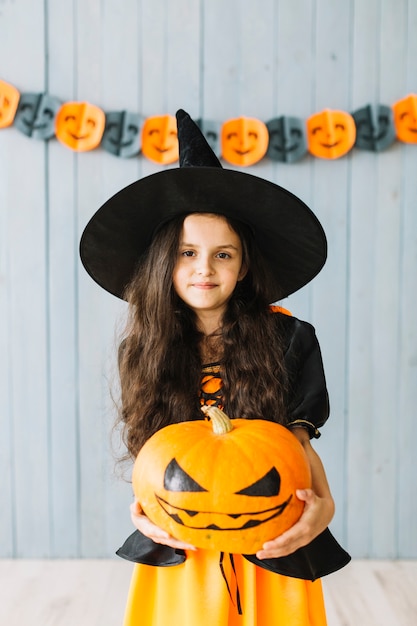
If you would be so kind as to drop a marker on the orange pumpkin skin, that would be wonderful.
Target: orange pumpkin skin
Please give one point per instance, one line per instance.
(331, 134)
(230, 492)
(9, 100)
(160, 139)
(244, 141)
(405, 118)
(80, 125)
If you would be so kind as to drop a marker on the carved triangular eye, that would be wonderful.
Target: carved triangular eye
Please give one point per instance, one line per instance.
(176, 479)
(268, 485)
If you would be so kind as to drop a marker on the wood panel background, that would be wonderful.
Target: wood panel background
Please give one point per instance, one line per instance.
(60, 494)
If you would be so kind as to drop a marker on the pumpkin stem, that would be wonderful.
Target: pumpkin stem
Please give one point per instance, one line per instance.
(220, 422)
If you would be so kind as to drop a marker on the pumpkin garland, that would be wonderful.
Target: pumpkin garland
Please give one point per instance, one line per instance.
(222, 484)
(241, 141)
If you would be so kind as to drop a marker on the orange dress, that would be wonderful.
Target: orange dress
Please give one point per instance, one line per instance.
(208, 588)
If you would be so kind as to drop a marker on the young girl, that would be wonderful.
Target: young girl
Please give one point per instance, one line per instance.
(200, 252)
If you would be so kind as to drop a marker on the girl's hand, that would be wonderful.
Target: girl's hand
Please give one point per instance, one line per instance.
(315, 518)
(150, 530)
(318, 508)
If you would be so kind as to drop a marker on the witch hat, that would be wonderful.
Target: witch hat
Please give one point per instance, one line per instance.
(286, 231)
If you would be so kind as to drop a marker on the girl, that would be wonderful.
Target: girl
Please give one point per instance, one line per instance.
(200, 253)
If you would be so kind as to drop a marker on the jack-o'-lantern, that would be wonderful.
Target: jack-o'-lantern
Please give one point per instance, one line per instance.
(121, 134)
(160, 139)
(9, 99)
(35, 116)
(228, 485)
(374, 127)
(287, 142)
(405, 118)
(80, 125)
(331, 134)
(244, 140)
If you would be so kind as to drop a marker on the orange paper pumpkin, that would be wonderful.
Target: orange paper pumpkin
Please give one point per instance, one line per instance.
(80, 125)
(160, 139)
(227, 485)
(244, 140)
(9, 99)
(331, 134)
(405, 119)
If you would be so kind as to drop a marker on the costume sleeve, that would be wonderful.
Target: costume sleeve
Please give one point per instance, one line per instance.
(140, 549)
(308, 400)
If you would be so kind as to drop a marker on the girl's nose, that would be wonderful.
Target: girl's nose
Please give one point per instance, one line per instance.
(204, 267)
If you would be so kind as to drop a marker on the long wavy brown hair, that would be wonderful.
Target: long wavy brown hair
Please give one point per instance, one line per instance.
(160, 360)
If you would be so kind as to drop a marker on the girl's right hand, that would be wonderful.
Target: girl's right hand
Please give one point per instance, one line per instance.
(150, 530)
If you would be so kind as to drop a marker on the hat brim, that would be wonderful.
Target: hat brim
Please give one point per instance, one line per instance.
(286, 231)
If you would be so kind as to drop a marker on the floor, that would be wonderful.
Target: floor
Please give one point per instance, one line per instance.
(92, 593)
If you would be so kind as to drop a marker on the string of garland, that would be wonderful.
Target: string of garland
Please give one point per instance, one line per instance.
(241, 141)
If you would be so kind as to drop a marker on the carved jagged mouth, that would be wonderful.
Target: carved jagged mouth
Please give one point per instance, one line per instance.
(188, 518)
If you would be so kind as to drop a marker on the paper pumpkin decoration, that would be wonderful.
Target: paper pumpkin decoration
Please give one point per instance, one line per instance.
(287, 141)
(9, 100)
(122, 133)
(80, 125)
(160, 139)
(35, 115)
(405, 118)
(244, 140)
(211, 131)
(330, 134)
(226, 485)
(374, 127)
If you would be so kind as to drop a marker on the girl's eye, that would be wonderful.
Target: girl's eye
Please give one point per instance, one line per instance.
(223, 255)
(187, 253)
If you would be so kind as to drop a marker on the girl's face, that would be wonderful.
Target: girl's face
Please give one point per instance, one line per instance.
(208, 267)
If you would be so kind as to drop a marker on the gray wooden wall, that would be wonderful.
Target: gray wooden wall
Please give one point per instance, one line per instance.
(59, 493)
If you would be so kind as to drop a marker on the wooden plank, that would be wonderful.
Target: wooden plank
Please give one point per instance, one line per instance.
(26, 236)
(92, 303)
(7, 142)
(93, 593)
(221, 49)
(58, 593)
(7, 542)
(360, 308)
(120, 91)
(407, 374)
(386, 292)
(256, 89)
(294, 97)
(377, 593)
(330, 192)
(63, 350)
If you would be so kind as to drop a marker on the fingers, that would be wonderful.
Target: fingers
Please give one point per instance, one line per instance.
(311, 523)
(150, 530)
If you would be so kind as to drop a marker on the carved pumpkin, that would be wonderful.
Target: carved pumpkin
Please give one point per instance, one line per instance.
(80, 125)
(227, 485)
(405, 118)
(160, 139)
(244, 140)
(9, 99)
(331, 134)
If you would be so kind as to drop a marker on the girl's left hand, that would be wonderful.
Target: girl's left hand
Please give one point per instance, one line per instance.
(315, 518)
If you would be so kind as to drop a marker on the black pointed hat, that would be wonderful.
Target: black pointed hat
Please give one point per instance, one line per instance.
(285, 229)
